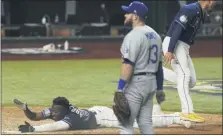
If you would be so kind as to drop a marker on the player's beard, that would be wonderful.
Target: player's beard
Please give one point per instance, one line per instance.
(128, 22)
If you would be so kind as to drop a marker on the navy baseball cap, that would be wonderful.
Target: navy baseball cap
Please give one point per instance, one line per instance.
(136, 7)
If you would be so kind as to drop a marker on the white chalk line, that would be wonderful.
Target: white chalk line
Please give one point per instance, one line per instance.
(171, 126)
(196, 125)
(10, 132)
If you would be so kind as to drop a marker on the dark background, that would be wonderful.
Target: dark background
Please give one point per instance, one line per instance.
(32, 11)
(19, 12)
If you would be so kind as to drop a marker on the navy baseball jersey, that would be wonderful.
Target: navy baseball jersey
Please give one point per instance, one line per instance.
(190, 17)
(76, 118)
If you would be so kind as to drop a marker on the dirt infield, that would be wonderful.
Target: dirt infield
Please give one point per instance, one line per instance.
(104, 50)
(12, 117)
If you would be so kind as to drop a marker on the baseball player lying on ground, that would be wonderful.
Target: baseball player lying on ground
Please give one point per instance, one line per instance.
(68, 117)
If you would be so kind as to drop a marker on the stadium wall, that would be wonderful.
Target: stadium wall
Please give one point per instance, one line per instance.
(96, 47)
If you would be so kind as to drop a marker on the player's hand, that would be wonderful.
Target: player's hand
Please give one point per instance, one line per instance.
(160, 96)
(20, 104)
(26, 128)
(168, 57)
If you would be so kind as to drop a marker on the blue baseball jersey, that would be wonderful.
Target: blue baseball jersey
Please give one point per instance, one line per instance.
(190, 17)
(76, 118)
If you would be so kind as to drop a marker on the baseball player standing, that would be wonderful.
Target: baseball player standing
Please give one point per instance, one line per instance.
(176, 44)
(141, 54)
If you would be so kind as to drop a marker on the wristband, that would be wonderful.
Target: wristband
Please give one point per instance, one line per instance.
(121, 84)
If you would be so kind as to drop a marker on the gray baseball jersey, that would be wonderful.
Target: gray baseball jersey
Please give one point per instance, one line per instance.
(142, 46)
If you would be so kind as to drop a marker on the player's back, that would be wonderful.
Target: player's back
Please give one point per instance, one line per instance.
(190, 17)
(150, 50)
(76, 118)
(80, 119)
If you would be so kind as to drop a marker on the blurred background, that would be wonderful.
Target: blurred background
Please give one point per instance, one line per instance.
(63, 18)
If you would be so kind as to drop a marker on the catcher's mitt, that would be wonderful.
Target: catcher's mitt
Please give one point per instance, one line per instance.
(121, 108)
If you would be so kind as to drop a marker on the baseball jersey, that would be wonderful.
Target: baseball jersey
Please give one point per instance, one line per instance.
(190, 17)
(142, 46)
(76, 118)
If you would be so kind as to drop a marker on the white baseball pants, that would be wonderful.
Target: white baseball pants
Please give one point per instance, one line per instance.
(106, 118)
(183, 75)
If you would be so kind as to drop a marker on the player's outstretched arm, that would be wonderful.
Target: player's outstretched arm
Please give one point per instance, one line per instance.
(35, 116)
(56, 126)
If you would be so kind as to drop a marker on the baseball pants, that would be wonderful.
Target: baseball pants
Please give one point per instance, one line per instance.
(183, 73)
(139, 93)
(106, 118)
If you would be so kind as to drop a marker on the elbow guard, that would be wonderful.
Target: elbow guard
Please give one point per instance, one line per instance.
(29, 114)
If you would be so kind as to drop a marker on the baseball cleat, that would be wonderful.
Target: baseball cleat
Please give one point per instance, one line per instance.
(191, 117)
(186, 123)
(198, 117)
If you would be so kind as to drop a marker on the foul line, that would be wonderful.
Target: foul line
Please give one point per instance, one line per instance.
(196, 125)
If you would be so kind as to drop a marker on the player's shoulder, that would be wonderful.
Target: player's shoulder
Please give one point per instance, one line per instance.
(152, 33)
(190, 8)
(135, 33)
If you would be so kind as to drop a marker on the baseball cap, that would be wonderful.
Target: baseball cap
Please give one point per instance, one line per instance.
(136, 7)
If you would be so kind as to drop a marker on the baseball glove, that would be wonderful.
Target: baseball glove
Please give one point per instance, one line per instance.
(20, 104)
(26, 128)
(121, 108)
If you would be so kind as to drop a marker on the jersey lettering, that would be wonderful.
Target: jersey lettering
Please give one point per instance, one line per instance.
(79, 112)
(151, 35)
(153, 54)
(153, 50)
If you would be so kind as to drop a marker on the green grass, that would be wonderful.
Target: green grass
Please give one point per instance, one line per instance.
(202, 103)
(208, 68)
(89, 82)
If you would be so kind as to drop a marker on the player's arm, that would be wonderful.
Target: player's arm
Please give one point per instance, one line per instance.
(160, 95)
(180, 24)
(126, 70)
(159, 75)
(175, 37)
(130, 51)
(55, 126)
(35, 116)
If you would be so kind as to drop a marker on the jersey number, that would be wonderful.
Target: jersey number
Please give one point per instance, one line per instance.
(153, 50)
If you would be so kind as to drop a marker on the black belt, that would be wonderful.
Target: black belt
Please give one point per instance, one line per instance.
(143, 73)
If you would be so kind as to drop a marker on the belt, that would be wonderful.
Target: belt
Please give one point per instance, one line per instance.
(143, 73)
